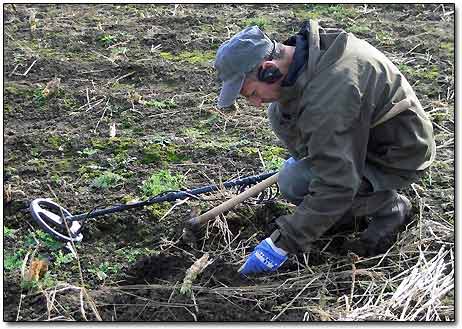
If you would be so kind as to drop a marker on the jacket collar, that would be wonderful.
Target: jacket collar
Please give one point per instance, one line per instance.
(291, 94)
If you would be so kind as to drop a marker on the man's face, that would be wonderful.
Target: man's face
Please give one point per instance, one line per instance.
(259, 92)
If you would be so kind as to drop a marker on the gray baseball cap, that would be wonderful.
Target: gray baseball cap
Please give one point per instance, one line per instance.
(238, 56)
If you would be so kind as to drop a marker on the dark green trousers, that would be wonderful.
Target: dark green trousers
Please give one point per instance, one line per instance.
(294, 180)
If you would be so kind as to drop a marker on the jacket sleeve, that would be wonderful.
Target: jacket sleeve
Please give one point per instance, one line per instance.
(335, 133)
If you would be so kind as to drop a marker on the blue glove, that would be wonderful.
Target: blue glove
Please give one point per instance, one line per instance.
(266, 257)
(290, 161)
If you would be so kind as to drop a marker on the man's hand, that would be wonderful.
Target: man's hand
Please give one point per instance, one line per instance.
(266, 257)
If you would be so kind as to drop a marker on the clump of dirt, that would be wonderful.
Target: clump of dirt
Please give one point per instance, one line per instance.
(157, 269)
(220, 273)
(150, 292)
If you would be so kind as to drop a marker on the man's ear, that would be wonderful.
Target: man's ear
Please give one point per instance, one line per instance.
(268, 64)
(269, 72)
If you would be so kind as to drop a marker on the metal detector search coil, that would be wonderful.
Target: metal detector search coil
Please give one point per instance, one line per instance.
(55, 223)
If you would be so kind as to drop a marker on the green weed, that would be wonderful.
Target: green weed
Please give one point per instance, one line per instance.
(161, 139)
(427, 73)
(158, 210)
(70, 102)
(261, 22)
(8, 232)
(274, 163)
(224, 143)
(118, 86)
(441, 166)
(430, 73)
(160, 182)
(358, 29)
(61, 165)
(55, 141)
(193, 133)
(60, 258)
(317, 11)
(210, 121)
(301, 12)
(160, 105)
(57, 179)
(39, 98)
(157, 153)
(115, 144)
(273, 156)
(131, 255)
(89, 171)
(34, 151)
(120, 160)
(385, 37)
(427, 180)
(88, 151)
(7, 109)
(38, 164)
(407, 70)
(107, 39)
(12, 261)
(42, 238)
(47, 281)
(448, 47)
(152, 154)
(106, 180)
(104, 270)
(15, 89)
(128, 121)
(340, 12)
(250, 150)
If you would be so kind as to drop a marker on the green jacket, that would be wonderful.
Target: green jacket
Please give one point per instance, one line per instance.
(326, 119)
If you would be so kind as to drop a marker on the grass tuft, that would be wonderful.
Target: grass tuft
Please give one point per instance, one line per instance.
(162, 181)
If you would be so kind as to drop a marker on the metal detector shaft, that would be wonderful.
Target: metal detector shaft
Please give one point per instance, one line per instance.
(173, 196)
(64, 226)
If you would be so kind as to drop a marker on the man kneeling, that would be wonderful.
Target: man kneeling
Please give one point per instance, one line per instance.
(352, 123)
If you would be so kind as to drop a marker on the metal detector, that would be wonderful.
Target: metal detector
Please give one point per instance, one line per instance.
(64, 226)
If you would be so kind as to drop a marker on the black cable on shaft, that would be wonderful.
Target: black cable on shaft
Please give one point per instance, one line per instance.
(171, 196)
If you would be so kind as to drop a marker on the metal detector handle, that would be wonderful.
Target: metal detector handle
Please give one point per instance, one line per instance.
(227, 205)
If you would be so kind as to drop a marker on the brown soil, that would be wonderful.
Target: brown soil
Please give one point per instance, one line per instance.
(132, 263)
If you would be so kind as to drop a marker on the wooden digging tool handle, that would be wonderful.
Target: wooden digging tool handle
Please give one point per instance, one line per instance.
(227, 205)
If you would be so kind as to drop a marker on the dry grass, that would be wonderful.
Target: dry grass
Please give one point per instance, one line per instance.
(413, 281)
